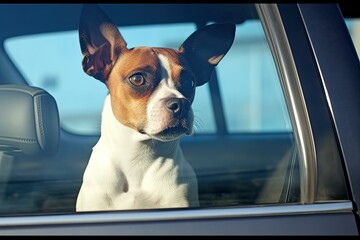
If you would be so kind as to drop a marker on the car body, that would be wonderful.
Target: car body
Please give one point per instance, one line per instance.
(277, 147)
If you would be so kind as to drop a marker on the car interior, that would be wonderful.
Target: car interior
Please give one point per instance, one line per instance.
(42, 163)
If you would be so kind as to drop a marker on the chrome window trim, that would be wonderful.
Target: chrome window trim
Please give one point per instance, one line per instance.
(178, 214)
(284, 61)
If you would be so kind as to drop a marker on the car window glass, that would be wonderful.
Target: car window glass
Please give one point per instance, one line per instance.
(249, 85)
(254, 161)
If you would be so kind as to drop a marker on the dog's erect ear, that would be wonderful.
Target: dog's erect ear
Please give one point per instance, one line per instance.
(100, 40)
(206, 47)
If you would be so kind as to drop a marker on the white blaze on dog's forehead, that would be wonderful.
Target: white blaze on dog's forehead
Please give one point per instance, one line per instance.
(167, 85)
(166, 70)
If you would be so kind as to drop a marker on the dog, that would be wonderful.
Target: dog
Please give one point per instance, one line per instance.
(137, 162)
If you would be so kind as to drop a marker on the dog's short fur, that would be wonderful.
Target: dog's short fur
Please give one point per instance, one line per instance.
(137, 162)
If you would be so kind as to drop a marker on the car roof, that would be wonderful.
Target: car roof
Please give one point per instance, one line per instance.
(20, 19)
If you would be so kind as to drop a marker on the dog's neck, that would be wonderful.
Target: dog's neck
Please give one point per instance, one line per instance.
(129, 145)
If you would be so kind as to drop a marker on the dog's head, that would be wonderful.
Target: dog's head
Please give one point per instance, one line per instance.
(151, 89)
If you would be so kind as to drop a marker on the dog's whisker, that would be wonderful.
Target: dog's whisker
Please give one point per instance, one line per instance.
(198, 124)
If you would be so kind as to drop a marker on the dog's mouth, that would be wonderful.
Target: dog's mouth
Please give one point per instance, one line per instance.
(172, 131)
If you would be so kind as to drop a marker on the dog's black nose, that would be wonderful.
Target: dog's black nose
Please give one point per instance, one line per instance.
(179, 106)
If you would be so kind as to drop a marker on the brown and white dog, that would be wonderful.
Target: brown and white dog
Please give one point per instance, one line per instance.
(137, 162)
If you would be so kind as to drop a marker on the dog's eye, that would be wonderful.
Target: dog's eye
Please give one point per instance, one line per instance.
(137, 79)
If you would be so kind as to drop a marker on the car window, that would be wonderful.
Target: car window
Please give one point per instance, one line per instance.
(80, 110)
(244, 150)
(249, 83)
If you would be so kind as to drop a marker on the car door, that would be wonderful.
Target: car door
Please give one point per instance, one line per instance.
(271, 152)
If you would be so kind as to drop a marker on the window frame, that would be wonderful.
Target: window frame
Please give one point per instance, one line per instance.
(340, 87)
(294, 98)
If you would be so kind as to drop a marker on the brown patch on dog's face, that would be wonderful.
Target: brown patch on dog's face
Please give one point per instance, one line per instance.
(128, 101)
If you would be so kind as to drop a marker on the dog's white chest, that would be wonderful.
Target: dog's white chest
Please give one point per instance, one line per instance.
(124, 173)
(156, 185)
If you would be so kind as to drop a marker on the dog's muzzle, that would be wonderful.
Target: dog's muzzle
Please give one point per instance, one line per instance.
(178, 120)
